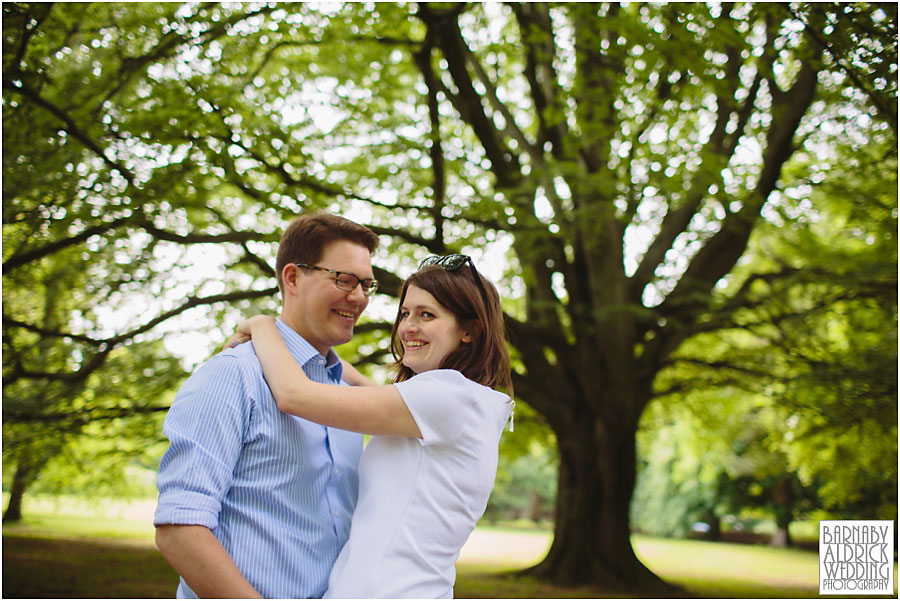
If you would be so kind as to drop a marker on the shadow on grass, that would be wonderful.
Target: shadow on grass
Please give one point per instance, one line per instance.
(39, 566)
(46, 568)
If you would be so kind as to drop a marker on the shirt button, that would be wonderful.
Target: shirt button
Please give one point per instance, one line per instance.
(336, 514)
(336, 471)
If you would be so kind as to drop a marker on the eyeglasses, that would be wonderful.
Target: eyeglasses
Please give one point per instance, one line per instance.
(454, 262)
(346, 281)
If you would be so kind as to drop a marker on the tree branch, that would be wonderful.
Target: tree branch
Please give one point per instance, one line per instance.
(107, 344)
(422, 59)
(35, 254)
(510, 128)
(534, 21)
(888, 111)
(716, 365)
(82, 416)
(715, 158)
(445, 29)
(69, 126)
(721, 251)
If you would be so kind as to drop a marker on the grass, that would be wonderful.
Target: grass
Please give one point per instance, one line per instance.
(47, 568)
(104, 552)
(730, 569)
(83, 527)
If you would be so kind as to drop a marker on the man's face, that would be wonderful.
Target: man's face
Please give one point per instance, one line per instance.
(317, 309)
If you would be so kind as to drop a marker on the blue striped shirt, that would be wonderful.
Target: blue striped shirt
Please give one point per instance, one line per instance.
(276, 490)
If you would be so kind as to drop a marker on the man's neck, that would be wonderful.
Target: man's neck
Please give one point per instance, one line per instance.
(296, 327)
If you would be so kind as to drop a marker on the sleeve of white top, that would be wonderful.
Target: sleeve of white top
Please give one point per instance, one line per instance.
(440, 402)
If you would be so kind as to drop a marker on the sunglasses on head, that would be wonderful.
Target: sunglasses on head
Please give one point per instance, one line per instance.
(454, 262)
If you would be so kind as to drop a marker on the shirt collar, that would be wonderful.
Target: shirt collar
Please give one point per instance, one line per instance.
(303, 352)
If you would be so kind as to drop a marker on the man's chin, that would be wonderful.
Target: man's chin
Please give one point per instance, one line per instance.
(342, 338)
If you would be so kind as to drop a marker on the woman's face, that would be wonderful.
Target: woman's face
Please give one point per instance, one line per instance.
(427, 331)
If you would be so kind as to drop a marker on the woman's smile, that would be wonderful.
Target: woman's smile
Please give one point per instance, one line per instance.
(428, 330)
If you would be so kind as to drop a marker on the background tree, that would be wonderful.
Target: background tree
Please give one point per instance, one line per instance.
(92, 237)
(810, 373)
(619, 157)
(525, 485)
(717, 457)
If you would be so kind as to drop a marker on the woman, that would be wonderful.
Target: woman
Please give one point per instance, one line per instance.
(426, 475)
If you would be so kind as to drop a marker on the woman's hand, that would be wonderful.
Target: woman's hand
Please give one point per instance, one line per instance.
(243, 332)
(370, 410)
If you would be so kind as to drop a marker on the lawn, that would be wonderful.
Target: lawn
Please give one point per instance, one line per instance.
(66, 552)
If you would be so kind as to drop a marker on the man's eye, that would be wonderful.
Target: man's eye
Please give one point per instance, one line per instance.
(346, 281)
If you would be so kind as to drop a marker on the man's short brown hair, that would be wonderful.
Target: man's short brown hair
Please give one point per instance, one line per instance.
(305, 238)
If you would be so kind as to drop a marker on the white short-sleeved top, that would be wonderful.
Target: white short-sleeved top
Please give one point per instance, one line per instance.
(419, 499)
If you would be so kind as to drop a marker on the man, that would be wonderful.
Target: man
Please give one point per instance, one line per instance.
(254, 502)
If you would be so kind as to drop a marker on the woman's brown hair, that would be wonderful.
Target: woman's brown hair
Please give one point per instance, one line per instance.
(485, 359)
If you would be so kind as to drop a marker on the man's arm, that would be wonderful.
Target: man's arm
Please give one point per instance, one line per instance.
(202, 561)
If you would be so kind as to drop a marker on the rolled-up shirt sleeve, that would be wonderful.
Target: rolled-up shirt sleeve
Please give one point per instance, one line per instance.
(206, 427)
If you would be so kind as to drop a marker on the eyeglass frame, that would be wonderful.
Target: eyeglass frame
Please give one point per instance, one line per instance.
(448, 263)
(372, 287)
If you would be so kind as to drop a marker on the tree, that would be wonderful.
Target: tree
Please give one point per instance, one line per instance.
(620, 155)
(811, 372)
(715, 453)
(525, 484)
(834, 333)
(85, 240)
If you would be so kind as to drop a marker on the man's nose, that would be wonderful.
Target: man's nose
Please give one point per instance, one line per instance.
(358, 296)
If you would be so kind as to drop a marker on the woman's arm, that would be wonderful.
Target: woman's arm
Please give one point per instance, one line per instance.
(350, 374)
(353, 377)
(368, 409)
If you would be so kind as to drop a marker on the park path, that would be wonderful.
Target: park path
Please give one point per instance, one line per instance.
(490, 546)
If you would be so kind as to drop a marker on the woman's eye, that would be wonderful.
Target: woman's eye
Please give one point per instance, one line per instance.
(404, 314)
(427, 314)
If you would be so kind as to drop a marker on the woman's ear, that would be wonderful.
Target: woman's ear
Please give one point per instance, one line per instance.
(468, 328)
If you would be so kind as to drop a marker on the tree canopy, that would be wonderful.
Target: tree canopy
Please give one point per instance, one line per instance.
(802, 390)
(615, 158)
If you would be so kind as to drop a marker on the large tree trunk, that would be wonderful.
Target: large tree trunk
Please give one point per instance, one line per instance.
(592, 539)
(25, 474)
(533, 509)
(30, 460)
(783, 508)
(715, 526)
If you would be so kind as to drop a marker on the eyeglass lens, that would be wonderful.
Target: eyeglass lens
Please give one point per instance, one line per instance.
(348, 281)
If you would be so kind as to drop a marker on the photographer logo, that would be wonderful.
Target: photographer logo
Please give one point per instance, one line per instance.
(856, 557)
